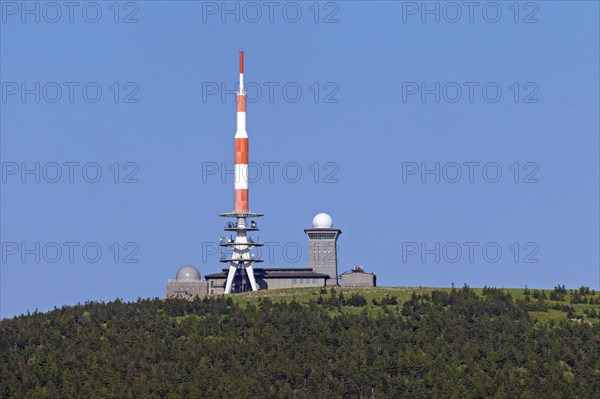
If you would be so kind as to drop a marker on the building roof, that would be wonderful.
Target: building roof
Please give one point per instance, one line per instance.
(353, 272)
(274, 272)
(188, 273)
(277, 269)
(322, 221)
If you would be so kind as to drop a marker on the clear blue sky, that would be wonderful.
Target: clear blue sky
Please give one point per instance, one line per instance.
(367, 132)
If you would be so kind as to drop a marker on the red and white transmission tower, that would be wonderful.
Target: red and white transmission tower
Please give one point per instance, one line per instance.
(241, 260)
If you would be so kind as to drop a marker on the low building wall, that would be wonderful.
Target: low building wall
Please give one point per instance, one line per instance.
(358, 279)
(187, 288)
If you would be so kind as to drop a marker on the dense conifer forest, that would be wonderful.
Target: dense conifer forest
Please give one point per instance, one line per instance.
(436, 344)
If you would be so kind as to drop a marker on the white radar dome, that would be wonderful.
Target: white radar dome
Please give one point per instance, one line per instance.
(188, 273)
(322, 221)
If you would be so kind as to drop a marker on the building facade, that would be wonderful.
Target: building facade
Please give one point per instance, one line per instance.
(188, 284)
(358, 278)
(322, 247)
(267, 279)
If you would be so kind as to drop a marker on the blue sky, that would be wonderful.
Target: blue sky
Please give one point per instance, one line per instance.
(361, 98)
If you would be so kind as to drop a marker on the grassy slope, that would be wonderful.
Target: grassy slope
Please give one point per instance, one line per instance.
(402, 294)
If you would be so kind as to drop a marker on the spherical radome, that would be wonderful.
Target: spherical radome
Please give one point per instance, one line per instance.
(322, 221)
(188, 273)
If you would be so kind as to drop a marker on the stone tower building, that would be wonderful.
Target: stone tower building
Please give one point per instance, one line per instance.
(322, 247)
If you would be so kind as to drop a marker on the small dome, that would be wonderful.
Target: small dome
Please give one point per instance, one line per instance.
(188, 273)
(322, 221)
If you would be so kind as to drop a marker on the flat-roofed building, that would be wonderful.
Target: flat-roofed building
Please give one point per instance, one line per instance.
(358, 278)
(267, 278)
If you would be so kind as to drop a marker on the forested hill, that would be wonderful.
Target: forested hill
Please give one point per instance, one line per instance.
(455, 343)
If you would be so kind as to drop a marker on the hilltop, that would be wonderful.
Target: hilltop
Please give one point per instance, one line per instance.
(556, 304)
(312, 343)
